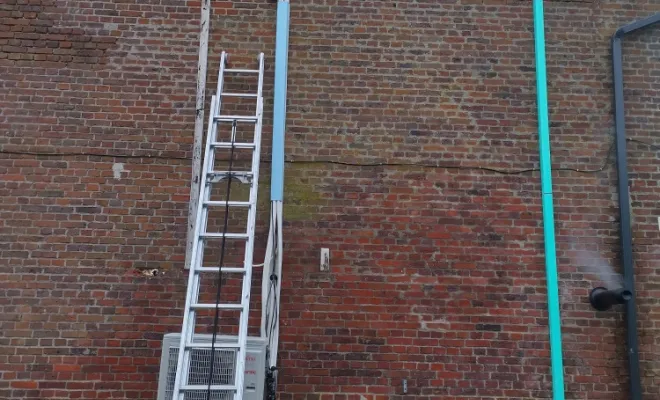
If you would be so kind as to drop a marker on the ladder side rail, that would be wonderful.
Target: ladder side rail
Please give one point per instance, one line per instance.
(249, 245)
(205, 212)
(192, 293)
(200, 255)
(221, 76)
(181, 378)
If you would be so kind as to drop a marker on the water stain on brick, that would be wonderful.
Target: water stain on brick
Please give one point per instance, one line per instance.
(489, 327)
(371, 341)
(490, 238)
(88, 210)
(51, 34)
(84, 351)
(300, 198)
(343, 372)
(357, 356)
(52, 193)
(330, 356)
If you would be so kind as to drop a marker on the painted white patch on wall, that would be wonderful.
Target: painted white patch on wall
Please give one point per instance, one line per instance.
(117, 169)
(325, 259)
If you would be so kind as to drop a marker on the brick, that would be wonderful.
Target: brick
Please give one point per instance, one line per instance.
(24, 384)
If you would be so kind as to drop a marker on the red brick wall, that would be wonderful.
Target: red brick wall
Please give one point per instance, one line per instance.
(412, 151)
(97, 105)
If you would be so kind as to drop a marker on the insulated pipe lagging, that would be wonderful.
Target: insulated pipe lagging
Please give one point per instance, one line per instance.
(279, 99)
(554, 317)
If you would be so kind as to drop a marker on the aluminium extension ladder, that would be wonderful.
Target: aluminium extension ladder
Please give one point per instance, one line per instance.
(183, 389)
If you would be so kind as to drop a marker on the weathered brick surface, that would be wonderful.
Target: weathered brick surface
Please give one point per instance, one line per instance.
(412, 151)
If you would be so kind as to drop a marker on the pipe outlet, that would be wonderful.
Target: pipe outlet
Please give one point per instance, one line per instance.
(602, 299)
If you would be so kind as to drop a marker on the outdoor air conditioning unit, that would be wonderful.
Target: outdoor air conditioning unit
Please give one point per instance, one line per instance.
(223, 367)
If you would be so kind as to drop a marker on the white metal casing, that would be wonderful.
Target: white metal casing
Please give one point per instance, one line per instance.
(255, 364)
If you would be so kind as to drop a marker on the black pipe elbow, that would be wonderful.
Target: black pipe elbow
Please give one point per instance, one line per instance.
(602, 299)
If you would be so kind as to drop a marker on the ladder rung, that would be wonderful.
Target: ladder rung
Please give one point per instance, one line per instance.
(217, 176)
(233, 173)
(218, 235)
(238, 118)
(229, 94)
(205, 345)
(241, 70)
(229, 145)
(231, 270)
(205, 387)
(224, 203)
(211, 306)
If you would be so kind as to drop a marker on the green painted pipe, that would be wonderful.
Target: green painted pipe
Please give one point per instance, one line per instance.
(554, 318)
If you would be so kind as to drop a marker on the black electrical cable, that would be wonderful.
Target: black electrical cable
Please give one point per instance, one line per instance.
(333, 162)
(651, 145)
(222, 257)
(150, 156)
(271, 321)
(457, 167)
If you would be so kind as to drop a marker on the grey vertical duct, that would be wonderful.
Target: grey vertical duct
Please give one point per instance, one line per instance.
(624, 205)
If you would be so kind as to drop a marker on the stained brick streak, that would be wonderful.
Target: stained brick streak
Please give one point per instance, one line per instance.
(437, 272)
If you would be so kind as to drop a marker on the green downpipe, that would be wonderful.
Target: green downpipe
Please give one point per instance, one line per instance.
(554, 318)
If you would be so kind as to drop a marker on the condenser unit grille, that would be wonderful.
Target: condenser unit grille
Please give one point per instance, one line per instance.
(200, 367)
(201, 395)
(223, 369)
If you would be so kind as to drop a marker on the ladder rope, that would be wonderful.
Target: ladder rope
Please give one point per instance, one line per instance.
(222, 257)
